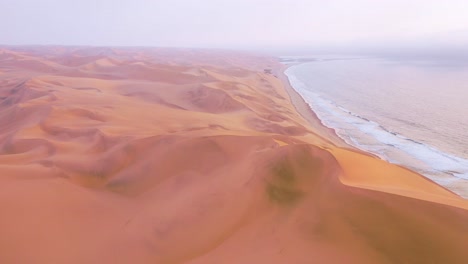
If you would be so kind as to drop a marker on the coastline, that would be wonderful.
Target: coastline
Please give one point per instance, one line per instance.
(307, 113)
(305, 110)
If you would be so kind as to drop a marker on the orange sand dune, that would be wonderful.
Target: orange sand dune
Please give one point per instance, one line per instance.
(180, 156)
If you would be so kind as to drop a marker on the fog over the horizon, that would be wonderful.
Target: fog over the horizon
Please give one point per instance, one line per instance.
(264, 24)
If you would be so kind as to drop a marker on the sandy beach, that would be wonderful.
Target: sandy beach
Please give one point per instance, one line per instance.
(145, 155)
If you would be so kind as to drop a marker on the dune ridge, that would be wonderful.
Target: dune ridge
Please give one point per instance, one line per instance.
(126, 155)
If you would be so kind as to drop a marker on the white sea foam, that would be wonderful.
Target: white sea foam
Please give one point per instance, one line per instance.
(446, 169)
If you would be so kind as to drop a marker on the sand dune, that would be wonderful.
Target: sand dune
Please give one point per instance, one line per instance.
(180, 156)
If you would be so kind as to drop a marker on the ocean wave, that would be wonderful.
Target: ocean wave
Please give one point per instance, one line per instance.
(356, 130)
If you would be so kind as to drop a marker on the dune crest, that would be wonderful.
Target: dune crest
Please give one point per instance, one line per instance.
(179, 156)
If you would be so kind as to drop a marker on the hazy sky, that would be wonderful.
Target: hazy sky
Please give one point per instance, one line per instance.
(228, 23)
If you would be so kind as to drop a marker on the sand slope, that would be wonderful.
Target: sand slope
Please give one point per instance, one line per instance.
(181, 156)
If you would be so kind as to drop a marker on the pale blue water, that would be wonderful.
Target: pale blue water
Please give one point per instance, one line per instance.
(410, 113)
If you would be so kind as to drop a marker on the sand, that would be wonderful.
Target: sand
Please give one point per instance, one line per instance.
(195, 156)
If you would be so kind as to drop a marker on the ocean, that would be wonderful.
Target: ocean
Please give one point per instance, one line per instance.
(413, 113)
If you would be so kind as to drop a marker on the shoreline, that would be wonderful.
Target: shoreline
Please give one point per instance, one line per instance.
(308, 114)
(306, 111)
